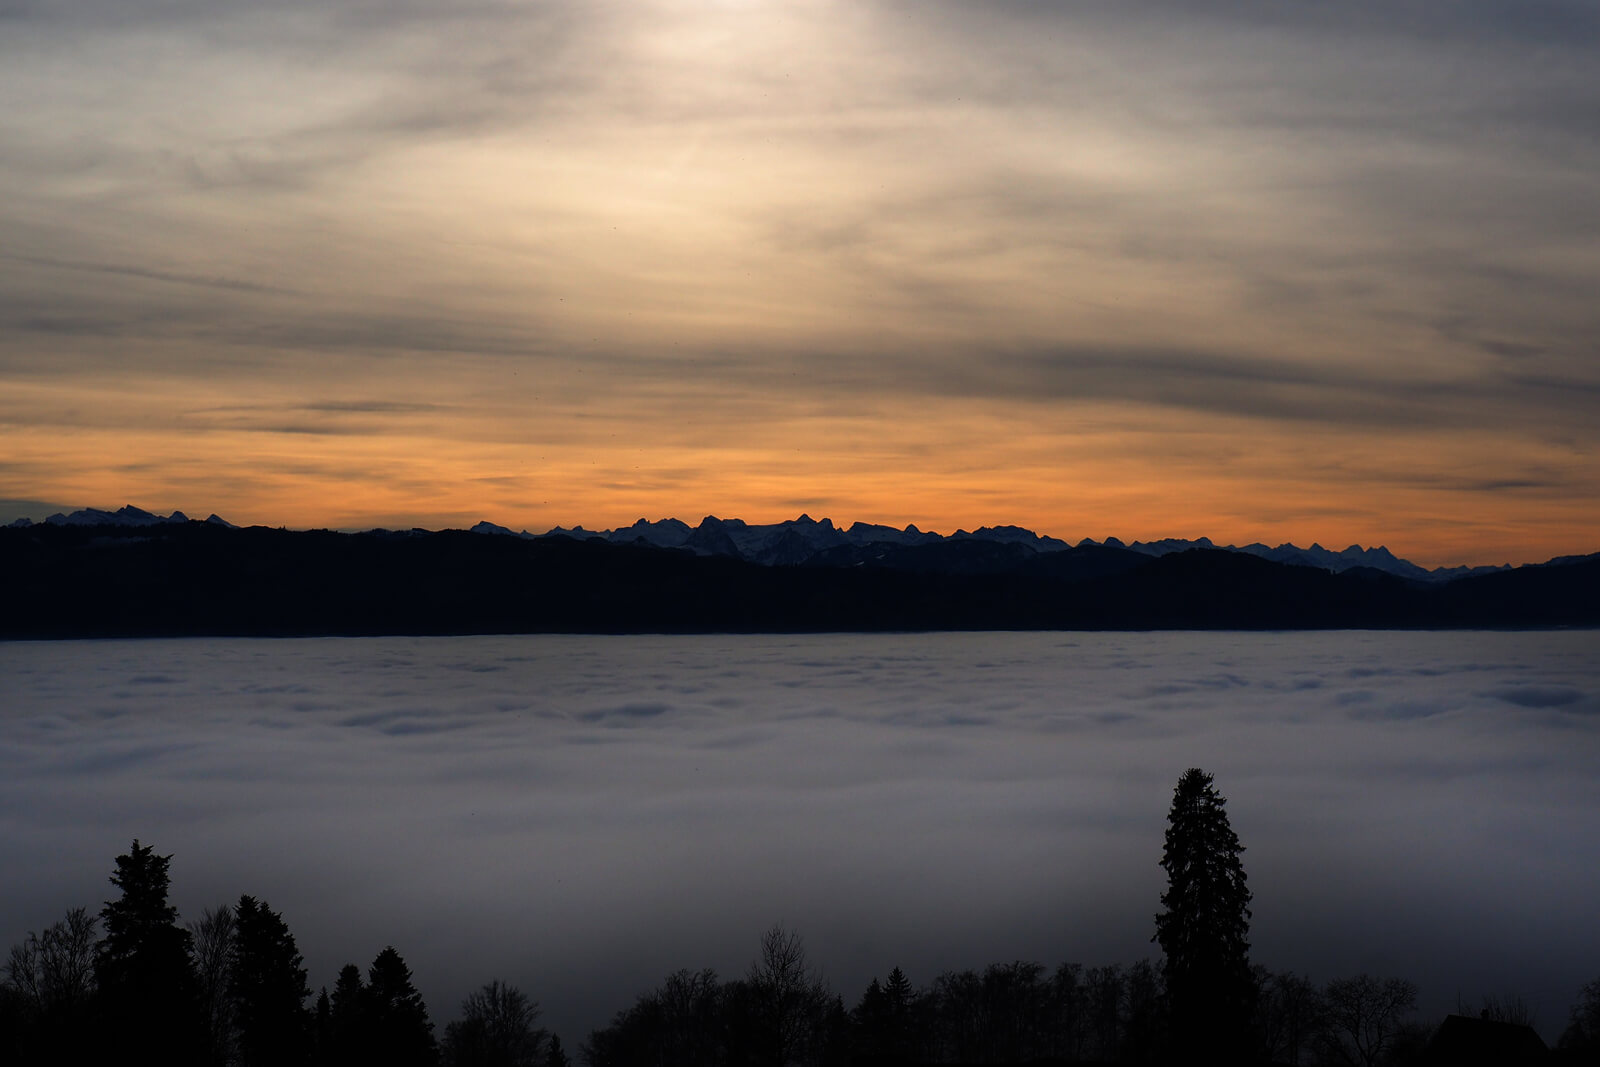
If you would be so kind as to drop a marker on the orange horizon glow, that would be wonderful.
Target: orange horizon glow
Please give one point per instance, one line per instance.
(304, 481)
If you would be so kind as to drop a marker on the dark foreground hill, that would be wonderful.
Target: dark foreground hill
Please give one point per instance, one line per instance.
(208, 579)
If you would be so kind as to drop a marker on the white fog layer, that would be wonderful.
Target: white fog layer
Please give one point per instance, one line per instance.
(582, 815)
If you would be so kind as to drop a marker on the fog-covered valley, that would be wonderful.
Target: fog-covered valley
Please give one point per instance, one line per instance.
(582, 815)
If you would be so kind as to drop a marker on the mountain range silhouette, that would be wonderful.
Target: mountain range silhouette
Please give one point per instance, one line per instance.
(132, 573)
(804, 539)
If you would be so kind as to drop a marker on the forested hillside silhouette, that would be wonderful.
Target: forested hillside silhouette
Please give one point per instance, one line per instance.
(132, 985)
(199, 579)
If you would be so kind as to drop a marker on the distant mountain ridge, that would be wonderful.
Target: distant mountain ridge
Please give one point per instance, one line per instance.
(127, 515)
(803, 540)
(130, 573)
(818, 542)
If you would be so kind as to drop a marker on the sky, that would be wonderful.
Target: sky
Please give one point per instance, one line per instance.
(1271, 270)
(581, 816)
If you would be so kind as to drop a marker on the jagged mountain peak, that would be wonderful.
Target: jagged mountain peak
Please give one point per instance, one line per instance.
(127, 515)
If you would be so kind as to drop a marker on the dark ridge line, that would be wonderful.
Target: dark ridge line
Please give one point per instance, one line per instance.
(204, 579)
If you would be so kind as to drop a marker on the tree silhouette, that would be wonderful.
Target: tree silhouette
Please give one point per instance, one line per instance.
(16, 1026)
(396, 1026)
(900, 1003)
(321, 1028)
(957, 1002)
(870, 1016)
(1069, 1024)
(268, 988)
(1103, 998)
(141, 931)
(1289, 1014)
(495, 1030)
(1015, 1003)
(883, 1022)
(146, 988)
(1204, 928)
(341, 1035)
(212, 939)
(681, 1024)
(900, 993)
(50, 987)
(1581, 1038)
(790, 1001)
(1144, 1031)
(1364, 1015)
(687, 1009)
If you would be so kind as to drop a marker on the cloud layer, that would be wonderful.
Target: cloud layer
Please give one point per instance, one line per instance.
(583, 815)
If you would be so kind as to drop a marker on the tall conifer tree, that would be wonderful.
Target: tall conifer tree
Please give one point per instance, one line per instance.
(1204, 927)
(147, 989)
(398, 1030)
(269, 989)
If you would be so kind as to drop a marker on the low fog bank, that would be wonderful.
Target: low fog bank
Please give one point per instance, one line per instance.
(582, 815)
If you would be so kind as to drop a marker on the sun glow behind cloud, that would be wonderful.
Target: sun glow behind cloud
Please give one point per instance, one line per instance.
(1115, 269)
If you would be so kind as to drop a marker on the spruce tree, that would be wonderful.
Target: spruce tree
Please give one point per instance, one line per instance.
(321, 1028)
(268, 987)
(342, 1042)
(900, 997)
(1205, 924)
(872, 1024)
(397, 1026)
(147, 989)
(900, 993)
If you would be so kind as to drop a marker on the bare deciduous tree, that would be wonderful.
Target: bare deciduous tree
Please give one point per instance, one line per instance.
(792, 999)
(496, 1029)
(687, 1006)
(1069, 1010)
(1105, 989)
(1583, 1031)
(54, 970)
(50, 980)
(1364, 1014)
(1289, 1014)
(22, 971)
(213, 955)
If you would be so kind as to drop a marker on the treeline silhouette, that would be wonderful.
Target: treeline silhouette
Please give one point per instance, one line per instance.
(130, 985)
(1008, 1013)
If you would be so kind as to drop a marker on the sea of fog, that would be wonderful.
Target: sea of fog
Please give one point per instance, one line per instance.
(582, 815)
